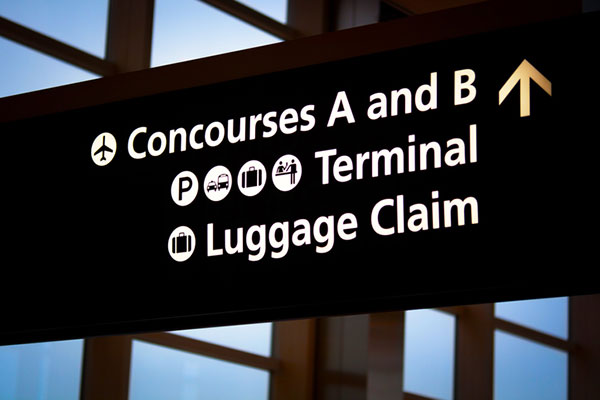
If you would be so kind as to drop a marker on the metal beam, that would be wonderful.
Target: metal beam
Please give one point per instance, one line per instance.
(415, 7)
(129, 34)
(209, 350)
(352, 13)
(294, 347)
(255, 18)
(106, 365)
(309, 17)
(532, 334)
(474, 362)
(386, 356)
(55, 48)
(443, 25)
(584, 360)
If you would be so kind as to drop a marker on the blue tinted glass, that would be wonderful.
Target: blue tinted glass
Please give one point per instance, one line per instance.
(189, 29)
(41, 371)
(525, 370)
(254, 338)
(24, 70)
(429, 353)
(546, 315)
(160, 373)
(276, 9)
(81, 24)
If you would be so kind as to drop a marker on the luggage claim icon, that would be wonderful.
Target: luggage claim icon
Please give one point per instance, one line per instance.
(182, 243)
(251, 178)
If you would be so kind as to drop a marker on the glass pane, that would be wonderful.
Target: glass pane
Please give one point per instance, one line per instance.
(41, 371)
(429, 353)
(546, 315)
(527, 370)
(24, 70)
(254, 338)
(160, 373)
(189, 29)
(276, 9)
(81, 24)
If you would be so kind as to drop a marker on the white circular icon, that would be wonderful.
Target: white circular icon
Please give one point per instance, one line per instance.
(104, 149)
(184, 188)
(182, 243)
(251, 178)
(287, 172)
(217, 183)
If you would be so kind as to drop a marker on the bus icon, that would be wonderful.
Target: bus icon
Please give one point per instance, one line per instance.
(221, 183)
(217, 183)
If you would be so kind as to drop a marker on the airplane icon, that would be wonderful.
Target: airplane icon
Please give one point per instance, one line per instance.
(104, 148)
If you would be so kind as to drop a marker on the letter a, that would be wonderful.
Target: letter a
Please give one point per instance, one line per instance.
(341, 100)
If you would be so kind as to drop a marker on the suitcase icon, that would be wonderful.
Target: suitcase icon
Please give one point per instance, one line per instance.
(182, 243)
(251, 178)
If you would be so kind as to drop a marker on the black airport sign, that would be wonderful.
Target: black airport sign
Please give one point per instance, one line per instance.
(454, 171)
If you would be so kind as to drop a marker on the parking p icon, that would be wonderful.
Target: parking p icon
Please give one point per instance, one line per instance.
(184, 188)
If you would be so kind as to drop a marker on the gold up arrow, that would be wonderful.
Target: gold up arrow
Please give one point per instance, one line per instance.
(522, 75)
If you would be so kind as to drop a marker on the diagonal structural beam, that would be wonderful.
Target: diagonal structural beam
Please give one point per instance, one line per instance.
(55, 48)
(255, 18)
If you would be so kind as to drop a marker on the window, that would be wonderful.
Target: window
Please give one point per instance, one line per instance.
(524, 369)
(253, 338)
(42, 371)
(545, 315)
(524, 366)
(183, 30)
(81, 24)
(526, 363)
(189, 29)
(429, 353)
(276, 9)
(161, 373)
(30, 70)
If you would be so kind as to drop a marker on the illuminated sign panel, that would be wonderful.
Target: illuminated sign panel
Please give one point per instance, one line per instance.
(453, 171)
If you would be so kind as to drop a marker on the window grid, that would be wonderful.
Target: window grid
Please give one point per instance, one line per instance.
(118, 58)
(126, 48)
(203, 348)
(509, 327)
(164, 364)
(106, 67)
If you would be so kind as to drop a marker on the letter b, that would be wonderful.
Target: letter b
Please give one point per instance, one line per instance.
(460, 86)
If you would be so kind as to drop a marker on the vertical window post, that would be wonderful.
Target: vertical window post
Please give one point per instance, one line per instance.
(129, 36)
(105, 373)
(386, 356)
(474, 372)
